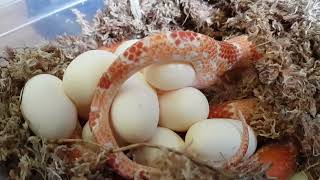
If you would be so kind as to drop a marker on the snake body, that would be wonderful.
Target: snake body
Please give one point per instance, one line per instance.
(210, 59)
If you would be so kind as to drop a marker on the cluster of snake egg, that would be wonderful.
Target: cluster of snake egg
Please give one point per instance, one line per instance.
(154, 105)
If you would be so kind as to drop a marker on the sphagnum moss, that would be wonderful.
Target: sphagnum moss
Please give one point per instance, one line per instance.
(286, 81)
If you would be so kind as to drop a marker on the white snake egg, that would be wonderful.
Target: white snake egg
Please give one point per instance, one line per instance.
(50, 113)
(181, 108)
(164, 137)
(135, 111)
(299, 176)
(170, 76)
(217, 140)
(82, 76)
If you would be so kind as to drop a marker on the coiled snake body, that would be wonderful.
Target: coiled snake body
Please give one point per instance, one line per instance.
(210, 59)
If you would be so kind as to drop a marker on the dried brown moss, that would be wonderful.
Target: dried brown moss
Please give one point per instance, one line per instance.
(285, 80)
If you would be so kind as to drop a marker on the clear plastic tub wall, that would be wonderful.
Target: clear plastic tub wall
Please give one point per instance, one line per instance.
(33, 22)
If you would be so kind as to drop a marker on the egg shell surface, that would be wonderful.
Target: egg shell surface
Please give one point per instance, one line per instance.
(164, 137)
(181, 108)
(135, 111)
(50, 113)
(217, 140)
(170, 76)
(82, 76)
(299, 176)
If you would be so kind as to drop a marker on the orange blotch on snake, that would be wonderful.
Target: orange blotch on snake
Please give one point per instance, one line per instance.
(182, 34)
(174, 35)
(132, 49)
(134, 59)
(93, 116)
(212, 49)
(191, 35)
(139, 45)
(104, 82)
(254, 53)
(138, 53)
(282, 157)
(228, 51)
(135, 51)
(221, 111)
(126, 53)
(131, 57)
(117, 70)
(177, 42)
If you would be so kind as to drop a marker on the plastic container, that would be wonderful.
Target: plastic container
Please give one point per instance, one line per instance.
(32, 22)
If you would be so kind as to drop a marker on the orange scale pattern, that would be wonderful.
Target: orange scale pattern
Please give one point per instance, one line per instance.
(180, 36)
(228, 52)
(209, 58)
(104, 82)
(117, 70)
(221, 111)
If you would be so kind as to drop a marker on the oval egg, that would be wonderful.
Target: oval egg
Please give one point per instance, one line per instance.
(181, 108)
(162, 136)
(82, 76)
(299, 176)
(50, 113)
(217, 140)
(135, 111)
(170, 76)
